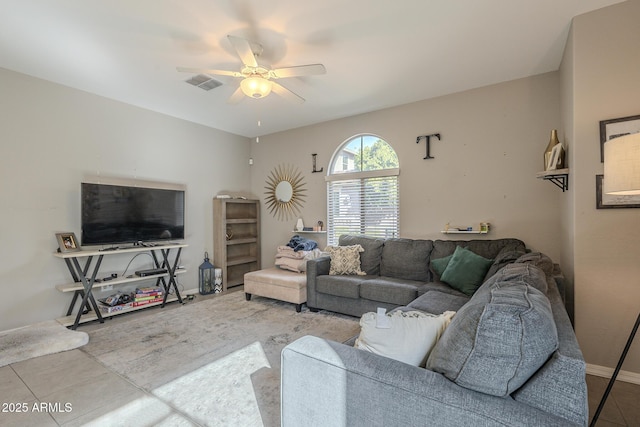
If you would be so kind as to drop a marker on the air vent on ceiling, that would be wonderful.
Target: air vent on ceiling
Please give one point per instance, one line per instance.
(204, 82)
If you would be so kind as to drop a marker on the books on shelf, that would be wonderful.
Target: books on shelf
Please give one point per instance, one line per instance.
(148, 301)
(147, 295)
(147, 298)
(148, 291)
(141, 296)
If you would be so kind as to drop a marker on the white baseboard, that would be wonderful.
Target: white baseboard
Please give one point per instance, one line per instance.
(602, 371)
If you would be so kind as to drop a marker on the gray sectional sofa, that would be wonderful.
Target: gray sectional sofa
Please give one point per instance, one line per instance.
(509, 357)
(397, 272)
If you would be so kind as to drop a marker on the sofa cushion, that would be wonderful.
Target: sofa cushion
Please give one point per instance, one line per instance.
(342, 286)
(440, 287)
(485, 248)
(526, 273)
(438, 265)
(370, 258)
(507, 324)
(345, 260)
(466, 270)
(406, 259)
(437, 302)
(505, 257)
(538, 259)
(408, 336)
(559, 386)
(391, 290)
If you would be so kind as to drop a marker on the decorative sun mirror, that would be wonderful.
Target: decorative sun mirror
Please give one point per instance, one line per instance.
(285, 192)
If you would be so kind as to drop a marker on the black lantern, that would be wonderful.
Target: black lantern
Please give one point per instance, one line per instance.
(207, 276)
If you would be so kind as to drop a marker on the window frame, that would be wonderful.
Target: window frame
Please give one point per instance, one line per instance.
(362, 176)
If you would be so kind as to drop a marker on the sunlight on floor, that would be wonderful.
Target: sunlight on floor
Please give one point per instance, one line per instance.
(146, 411)
(220, 393)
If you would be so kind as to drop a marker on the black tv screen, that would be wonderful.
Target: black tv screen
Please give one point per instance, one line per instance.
(114, 214)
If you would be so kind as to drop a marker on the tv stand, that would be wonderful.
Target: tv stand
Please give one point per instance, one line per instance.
(85, 280)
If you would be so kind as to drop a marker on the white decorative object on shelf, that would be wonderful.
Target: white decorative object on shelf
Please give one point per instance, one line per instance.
(217, 284)
(300, 225)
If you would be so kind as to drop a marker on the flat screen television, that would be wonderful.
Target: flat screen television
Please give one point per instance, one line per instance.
(116, 214)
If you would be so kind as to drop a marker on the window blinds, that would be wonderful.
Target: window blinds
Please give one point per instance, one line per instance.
(363, 205)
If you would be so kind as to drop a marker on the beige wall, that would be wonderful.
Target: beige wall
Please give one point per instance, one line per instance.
(52, 138)
(493, 139)
(567, 200)
(603, 66)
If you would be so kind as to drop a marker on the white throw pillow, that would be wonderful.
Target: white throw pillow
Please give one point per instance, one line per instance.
(408, 337)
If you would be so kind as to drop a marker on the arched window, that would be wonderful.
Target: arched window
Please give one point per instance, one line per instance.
(362, 189)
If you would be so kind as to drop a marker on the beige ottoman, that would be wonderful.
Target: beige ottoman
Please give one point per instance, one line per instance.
(278, 284)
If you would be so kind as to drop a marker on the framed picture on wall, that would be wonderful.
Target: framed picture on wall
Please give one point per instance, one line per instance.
(67, 242)
(613, 128)
(609, 201)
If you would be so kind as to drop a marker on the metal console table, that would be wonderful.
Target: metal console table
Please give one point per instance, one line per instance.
(84, 277)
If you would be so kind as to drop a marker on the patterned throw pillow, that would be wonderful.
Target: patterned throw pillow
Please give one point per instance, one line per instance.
(345, 260)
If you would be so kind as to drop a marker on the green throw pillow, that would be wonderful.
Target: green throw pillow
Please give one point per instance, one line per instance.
(465, 271)
(440, 264)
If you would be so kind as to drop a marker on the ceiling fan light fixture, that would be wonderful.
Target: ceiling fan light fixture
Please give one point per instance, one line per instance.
(256, 87)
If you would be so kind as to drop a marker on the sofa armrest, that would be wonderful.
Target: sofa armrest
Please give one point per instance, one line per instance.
(327, 383)
(315, 267)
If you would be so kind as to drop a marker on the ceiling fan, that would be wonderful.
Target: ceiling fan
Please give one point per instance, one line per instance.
(258, 81)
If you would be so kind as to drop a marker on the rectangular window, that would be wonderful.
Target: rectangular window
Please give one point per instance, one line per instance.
(368, 205)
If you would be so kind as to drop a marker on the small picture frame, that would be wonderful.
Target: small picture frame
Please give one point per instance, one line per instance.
(67, 242)
(613, 128)
(609, 201)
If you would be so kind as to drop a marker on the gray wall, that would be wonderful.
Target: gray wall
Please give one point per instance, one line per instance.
(493, 139)
(53, 138)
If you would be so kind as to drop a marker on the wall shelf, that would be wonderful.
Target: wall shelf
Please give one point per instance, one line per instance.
(464, 232)
(309, 232)
(559, 177)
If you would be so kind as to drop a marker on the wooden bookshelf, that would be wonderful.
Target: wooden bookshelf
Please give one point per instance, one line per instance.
(236, 239)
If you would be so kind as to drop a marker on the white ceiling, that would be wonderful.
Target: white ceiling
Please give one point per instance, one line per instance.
(378, 53)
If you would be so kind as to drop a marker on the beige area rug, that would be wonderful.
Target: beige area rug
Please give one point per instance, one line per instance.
(36, 340)
(216, 361)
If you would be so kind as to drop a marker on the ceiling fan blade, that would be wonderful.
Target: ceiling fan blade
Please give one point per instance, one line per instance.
(286, 93)
(300, 70)
(243, 48)
(237, 96)
(208, 71)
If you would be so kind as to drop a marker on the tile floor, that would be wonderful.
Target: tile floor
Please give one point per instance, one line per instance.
(79, 390)
(623, 404)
